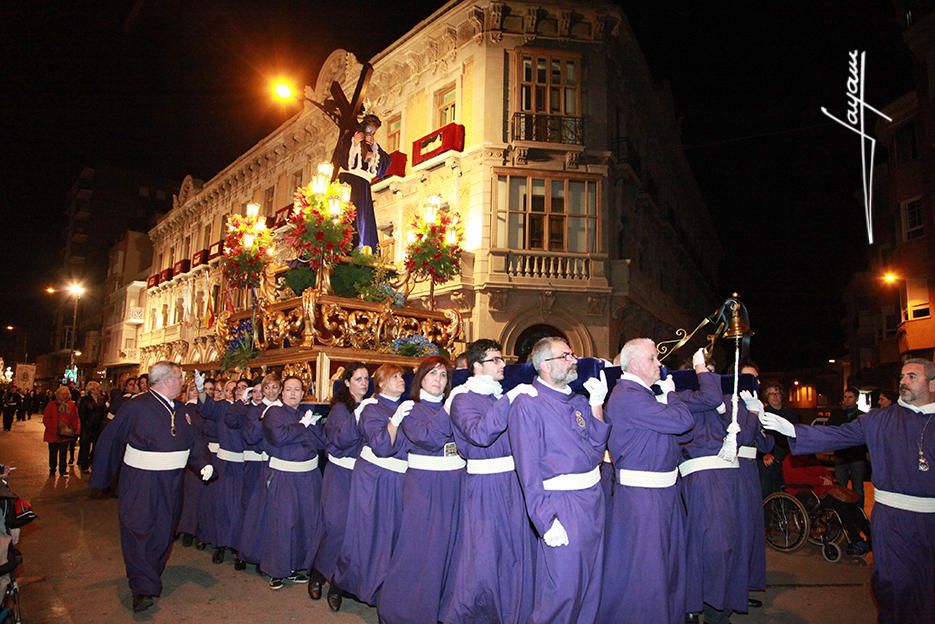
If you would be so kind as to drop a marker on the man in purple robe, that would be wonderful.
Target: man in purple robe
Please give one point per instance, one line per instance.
(644, 570)
(718, 560)
(901, 440)
(150, 442)
(558, 440)
(493, 573)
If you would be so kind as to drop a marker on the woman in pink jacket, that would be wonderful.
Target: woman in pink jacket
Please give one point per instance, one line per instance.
(62, 426)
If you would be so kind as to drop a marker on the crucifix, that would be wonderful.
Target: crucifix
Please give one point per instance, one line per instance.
(343, 113)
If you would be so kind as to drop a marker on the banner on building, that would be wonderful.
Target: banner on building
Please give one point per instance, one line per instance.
(25, 376)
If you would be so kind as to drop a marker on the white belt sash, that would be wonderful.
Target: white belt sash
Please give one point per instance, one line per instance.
(906, 502)
(213, 447)
(493, 465)
(284, 465)
(155, 460)
(436, 463)
(573, 481)
(387, 463)
(710, 462)
(747, 452)
(646, 478)
(344, 462)
(253, 456)
(230, 456)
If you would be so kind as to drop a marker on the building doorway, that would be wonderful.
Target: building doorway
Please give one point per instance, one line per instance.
(530, 336)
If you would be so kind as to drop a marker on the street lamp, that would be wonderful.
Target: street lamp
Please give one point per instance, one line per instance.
(75, 290)
(890, 277)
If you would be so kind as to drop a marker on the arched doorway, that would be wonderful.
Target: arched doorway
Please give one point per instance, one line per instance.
(530, 336)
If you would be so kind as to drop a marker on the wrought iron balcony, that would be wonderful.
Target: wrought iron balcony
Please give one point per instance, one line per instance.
(548, 128)
(625, 154)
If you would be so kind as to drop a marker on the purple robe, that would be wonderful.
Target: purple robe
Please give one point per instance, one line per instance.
(253, 527)
(343, 440)
(228, 493)
(374, 509)
(903, 577)
(150, 500)
(494, 561)
(718, 556)
(424, 552)
(644, 571)
(365, 220)
(291, 523)
(192, 484)
(751, 497)
(207, 502)
(553, 434)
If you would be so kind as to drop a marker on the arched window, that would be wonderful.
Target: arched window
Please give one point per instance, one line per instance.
(530, 336)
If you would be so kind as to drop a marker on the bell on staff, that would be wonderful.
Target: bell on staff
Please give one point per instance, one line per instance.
(739, 326)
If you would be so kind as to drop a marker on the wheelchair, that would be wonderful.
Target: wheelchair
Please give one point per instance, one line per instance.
(816, 512)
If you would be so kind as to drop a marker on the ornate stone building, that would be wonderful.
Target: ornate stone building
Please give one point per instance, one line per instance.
(541, 125)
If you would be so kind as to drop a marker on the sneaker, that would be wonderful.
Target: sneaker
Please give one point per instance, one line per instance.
(276, 583)
(299, 576)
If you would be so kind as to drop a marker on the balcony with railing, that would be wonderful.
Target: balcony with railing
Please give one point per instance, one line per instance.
(555, 269)
(135, 315)
(544, 128)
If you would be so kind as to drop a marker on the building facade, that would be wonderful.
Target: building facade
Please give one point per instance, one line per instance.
(541, 126)
(124, 303)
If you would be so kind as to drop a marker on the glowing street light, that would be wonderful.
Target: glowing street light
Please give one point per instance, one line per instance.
(283, 90)
(890, 278)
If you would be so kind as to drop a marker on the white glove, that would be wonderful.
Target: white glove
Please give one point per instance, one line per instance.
(774, 422)
(199, 381)
(698, 358)
(207, 472)
(597, 389)
(752, 402)
(521, 389)
(309, 419)
(667, 385)
(401, 412)
(556, 535)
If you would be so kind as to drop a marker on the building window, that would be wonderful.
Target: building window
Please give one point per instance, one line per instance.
(393, 127)
(268, 198)
(905, 147)
(547, 213)
(547, 97)
(296, 180)
(445, 106)
(914, 300)
(207, 236)
(913, 225)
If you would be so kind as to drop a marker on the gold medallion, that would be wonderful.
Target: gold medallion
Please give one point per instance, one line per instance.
(579, 419)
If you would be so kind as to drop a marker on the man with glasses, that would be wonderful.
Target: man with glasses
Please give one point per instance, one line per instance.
(558, 440)
(770, 463)
(901, 439)
(494, 560)
(644, 571)
(151, 442)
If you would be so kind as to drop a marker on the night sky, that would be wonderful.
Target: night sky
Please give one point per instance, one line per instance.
(176, 88)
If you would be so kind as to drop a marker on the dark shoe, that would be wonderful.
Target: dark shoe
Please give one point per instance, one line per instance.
(201, 545)
(334, 598)
(301, 576)
(276, 583)
(218, 556)
(187, 540)
(239, 564)
(314, 589)
(141, 602)
(693, 618)
(753, 602)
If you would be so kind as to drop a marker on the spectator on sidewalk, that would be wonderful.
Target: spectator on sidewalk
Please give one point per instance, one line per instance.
(62, 426)
(850, 464)
(93, 412)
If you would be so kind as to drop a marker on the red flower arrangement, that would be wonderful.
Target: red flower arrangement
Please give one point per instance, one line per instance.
(247, 248)
(434, 248)
(321, 224)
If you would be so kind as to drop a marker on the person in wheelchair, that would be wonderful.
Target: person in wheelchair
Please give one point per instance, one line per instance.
(813, 483)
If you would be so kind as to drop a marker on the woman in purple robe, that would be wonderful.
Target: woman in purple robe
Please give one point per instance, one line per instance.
(253, 533)
(228, 494)
(207, 502)
(424, 553)
(192, 484)
(343, 445)
(374, 509)
(293, 499)
(494, 558)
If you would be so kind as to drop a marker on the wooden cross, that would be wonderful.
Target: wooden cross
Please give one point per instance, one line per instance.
(344, 113)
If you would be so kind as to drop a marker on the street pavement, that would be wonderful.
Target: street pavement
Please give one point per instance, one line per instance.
(73, 571)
